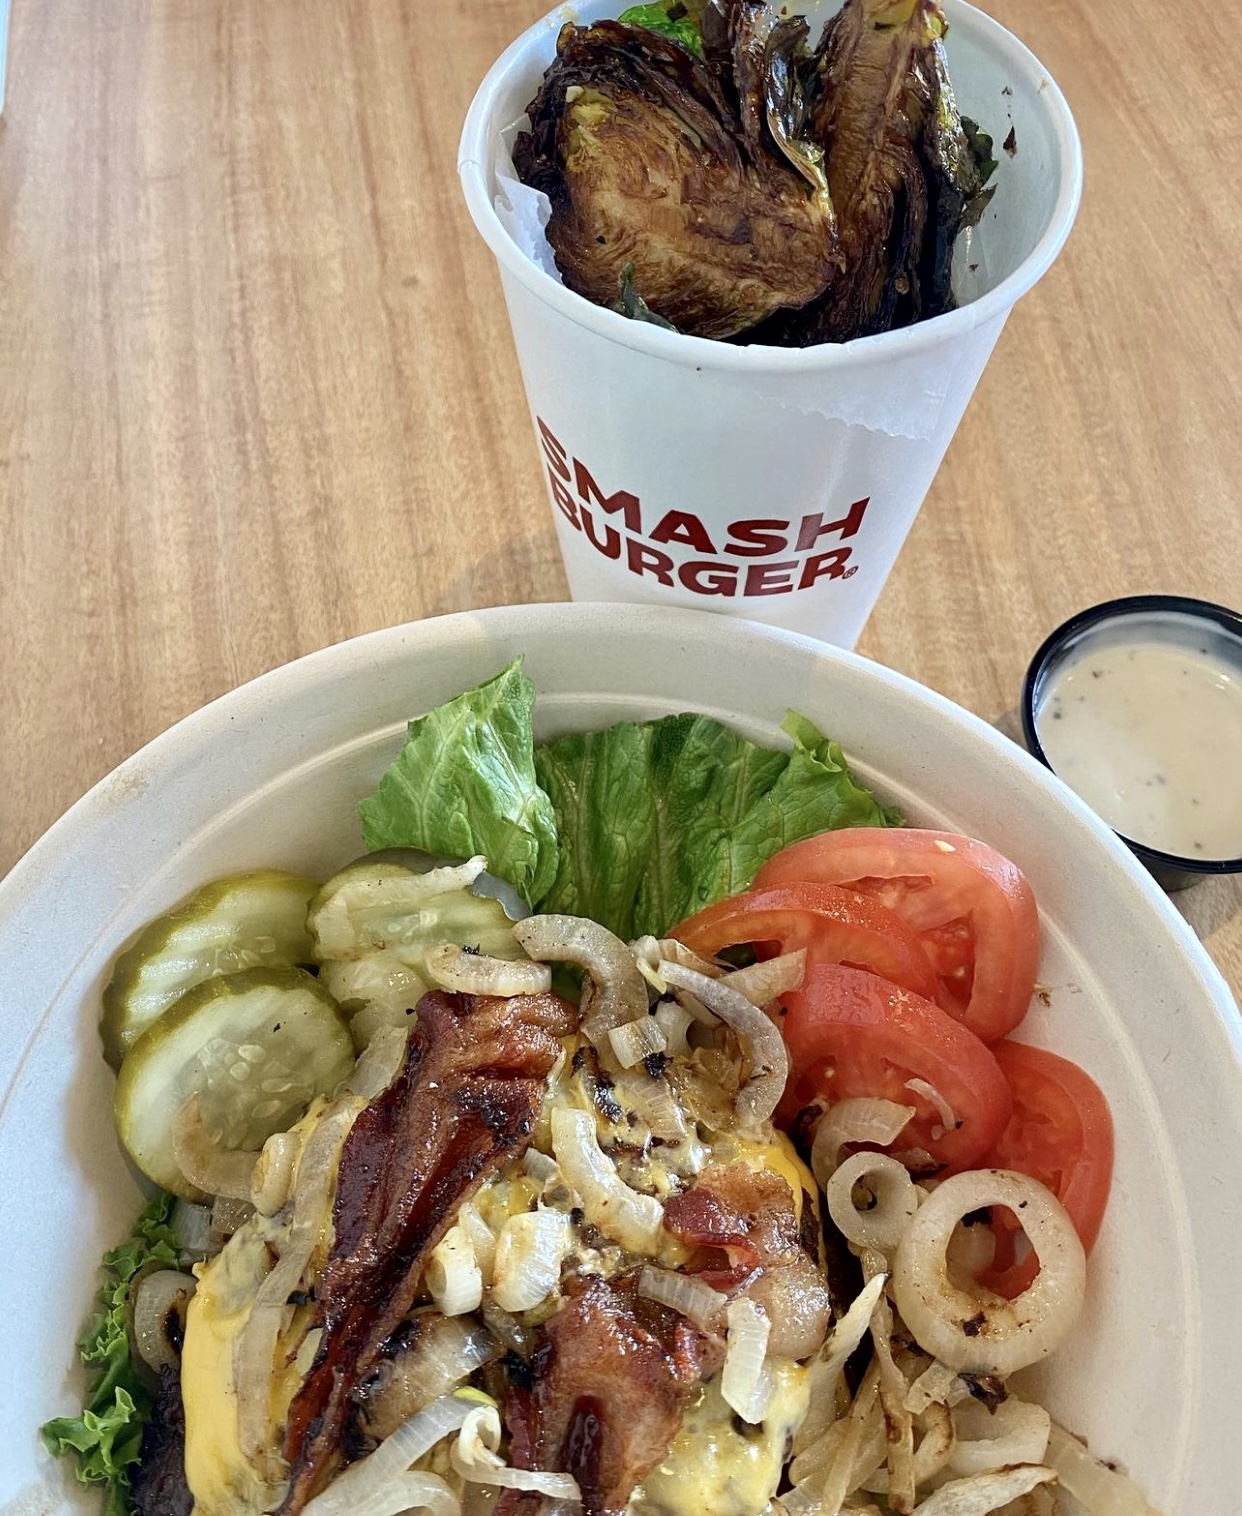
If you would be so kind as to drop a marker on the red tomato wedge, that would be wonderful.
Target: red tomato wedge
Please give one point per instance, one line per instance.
(833, 925)
(1061, 1133)
(850, 1033)
(971, 909)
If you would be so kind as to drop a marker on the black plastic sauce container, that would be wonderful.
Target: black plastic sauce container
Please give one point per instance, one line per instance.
(1144, 614)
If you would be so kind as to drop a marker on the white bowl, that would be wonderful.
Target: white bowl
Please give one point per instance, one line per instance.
(270, 775)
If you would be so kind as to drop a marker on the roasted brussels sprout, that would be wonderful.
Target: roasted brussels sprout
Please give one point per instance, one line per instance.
(708, 168)
(901, 171)
(651, 157)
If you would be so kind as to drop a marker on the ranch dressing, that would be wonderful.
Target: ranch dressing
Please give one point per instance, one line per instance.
(1143, 719)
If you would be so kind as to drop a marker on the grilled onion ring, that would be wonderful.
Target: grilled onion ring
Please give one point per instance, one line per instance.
(617, 992)
(979, 1332)
(896, 1200)
(765, 1047)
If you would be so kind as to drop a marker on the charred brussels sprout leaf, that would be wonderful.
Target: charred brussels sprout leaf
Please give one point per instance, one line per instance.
(786, 74)
(983, 155)
(669, 19)
(955, 180)
(642, 152)
(900, 169)
(757, 187)
(630, 303)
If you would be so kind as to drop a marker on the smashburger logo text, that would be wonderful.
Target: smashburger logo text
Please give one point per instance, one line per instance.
(788, 555)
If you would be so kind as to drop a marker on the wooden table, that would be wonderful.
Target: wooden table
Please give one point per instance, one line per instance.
(257, 392)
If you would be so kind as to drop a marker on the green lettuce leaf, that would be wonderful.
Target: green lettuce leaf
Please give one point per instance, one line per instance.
(636, 826)
(465, 783)
(106, 1442)
(598, 784)
(657, 820)
(106, 1439)
(706, 781)
(814, 792)
(669, 18)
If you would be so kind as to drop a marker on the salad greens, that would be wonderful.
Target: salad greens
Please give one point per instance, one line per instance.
(671, 19)
(465, 783)
(107, 1438)
(636, 826)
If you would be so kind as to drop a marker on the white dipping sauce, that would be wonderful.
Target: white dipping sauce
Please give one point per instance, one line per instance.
(1143, 719)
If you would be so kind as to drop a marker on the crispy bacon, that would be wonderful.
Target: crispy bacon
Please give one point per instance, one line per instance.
(463, 1104)
(704, 1219)
(608, 1385)
(748, 1216)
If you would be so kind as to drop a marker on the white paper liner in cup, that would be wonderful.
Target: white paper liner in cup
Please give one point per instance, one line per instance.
(773, 483)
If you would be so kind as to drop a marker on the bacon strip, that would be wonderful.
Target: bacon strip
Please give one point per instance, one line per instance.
(748, 1215)
(706, 1219)
(608, 1385)
(464, 1103)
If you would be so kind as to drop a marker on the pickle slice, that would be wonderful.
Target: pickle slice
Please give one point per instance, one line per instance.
(377, 980)
(255, 920)
(388, 908)
(374, 923)
(255, 1047)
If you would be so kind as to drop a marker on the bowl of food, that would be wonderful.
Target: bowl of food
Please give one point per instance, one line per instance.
(755, 261)
(523, 1197)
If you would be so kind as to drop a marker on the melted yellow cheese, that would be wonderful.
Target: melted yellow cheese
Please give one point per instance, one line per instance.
(500, 1198)
(220, 1478)
(718, 1466)
(780, 1157)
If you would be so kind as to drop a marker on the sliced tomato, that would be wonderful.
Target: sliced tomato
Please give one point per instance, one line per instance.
(971, 909)
(851, 1033)
(1061, 1133)
(833, 925)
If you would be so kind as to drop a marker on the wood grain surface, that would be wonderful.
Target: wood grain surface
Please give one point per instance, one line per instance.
(257, 391)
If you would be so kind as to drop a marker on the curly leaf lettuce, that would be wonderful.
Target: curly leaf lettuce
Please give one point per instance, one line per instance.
(465, 784)
(106, 1439)
(646, 822)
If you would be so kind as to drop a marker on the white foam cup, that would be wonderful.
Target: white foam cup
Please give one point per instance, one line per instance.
(773, 483)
